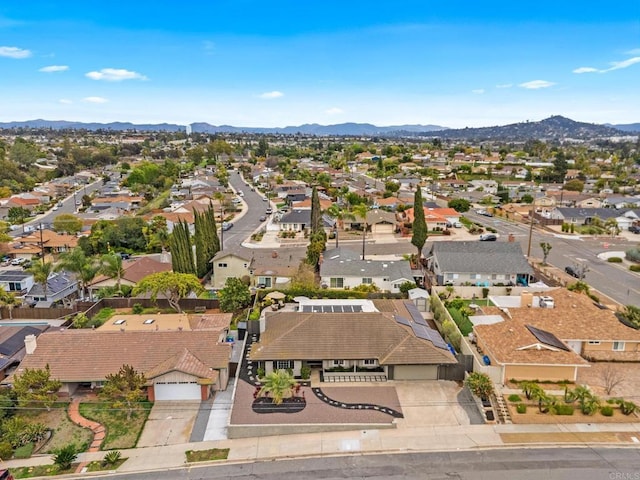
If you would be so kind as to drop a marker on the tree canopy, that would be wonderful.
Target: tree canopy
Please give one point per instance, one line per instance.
(234, 296)
(67, 223)
(419, 236)
(34, 388)
(124, 389)
(171, 285)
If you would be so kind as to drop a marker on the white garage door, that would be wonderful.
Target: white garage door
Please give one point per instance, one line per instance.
(177, 391)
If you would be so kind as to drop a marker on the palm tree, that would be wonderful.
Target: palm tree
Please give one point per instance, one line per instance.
(111, 266)
(9, 300)
(41, 272)
(360, 210)
(77, 262)
(280, 384)
(336, 212)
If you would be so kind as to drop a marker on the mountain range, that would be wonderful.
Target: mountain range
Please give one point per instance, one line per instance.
(555, 127)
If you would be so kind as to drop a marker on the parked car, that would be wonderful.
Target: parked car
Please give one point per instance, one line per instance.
(571, 271)
(265, 199)
(226, 226)
(634, 228)
(263, 218)
(488, 237)
(269, 211)
(18, 261)
(240, 193)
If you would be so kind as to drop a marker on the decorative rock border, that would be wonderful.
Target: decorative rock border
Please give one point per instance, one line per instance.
(355, 406)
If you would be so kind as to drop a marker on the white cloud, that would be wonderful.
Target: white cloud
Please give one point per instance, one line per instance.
(536, 84)
(478, 91)
(14, 52)
(54, 68)
(585, 70)
(65, 101)
(271, 95)
(115, 75)
(334, 111)
(635, 51)
(504, 85)
(95, 100)
(623, 64)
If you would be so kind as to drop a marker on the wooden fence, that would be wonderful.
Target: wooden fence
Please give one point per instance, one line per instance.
(26, 313)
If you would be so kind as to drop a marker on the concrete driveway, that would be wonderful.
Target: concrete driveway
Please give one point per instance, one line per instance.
(169, 423)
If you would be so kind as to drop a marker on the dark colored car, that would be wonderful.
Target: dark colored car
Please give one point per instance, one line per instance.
(571, 271)
(488, 237)
(634, 228)
(262, 218)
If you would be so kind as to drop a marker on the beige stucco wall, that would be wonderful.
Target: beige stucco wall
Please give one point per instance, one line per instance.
(604, 351)
(540, 372)
(415, 372)
(235, 269)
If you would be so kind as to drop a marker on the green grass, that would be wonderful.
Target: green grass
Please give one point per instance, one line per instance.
(24, 451)
(97, 466)
(121, 432)
(207, 455)
(154, 204)
(40, 471)
(462, 321)
(102, 316)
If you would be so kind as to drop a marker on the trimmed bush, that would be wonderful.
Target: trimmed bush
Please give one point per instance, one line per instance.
(521, 408)
(614, 260)
(514, 398)
(6, 450)
(634, 268)
(607, 411)
(564, 409)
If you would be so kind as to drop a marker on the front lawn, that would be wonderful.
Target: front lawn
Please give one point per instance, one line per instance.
(121, 432)
(64, 431)
(207, 455)
(41, 471)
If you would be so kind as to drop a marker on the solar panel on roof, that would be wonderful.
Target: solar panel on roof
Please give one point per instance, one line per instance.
(16, 341)
(402, 320)
(332, 308)
(421, 328)
(547, 338)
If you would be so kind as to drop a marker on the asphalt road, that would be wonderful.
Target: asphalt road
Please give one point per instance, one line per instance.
(611, 279)
(522, 464)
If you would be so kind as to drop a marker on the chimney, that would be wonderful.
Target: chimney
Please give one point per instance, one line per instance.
(30, 344)
(526, 299)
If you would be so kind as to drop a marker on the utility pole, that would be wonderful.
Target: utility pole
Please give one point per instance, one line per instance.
(41, 244)
(531, 212)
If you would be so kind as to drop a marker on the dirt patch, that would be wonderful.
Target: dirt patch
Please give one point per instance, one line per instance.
(628, 372)
(64, 430)
(534, 416)
(567, 437)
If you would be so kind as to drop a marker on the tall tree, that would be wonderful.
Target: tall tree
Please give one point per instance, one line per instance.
(171, 285)
(316, 212)
(201, 247)
(9, 300)
(181, 250)
(84, 267)
(360, 211)
(234, 296)
(35, 388)
(546, 249)
(111, 266)
(124, 389)
(420, 234)
(41, 272)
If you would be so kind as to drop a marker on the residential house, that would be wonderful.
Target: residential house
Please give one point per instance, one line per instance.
(348, 339)
(486, 186)
(378, 221)
(342, 268)
(178, 365)
(60, 287)
(135, 269)
(122, 202)
(621, 202)
(12, 348)
(18, 282)
(27, 202)
(586, 216)
(478, 263)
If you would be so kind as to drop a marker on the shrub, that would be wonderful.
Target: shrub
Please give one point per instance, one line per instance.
(521, 408)
(614, 260)
(137, 309)
(633, 254)
(627, 408)
(634, 268)
(485, 292)
(480, 384)
(6, 450)
(515, 398)
(111, 458)
(65, 456)
(563, 409)
(260, 372)
(607, 411)
(305, 372)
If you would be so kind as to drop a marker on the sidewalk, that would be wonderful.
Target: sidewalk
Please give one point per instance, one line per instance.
(437, 438)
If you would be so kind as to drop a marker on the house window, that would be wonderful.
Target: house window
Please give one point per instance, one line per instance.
(338, 363)
(385, 279)
(367, 280)
(266, 281)
(475, 276)
(15, 286)
(336, 282)
(594, 342)
(284, 364)
(148, 321)
(245, 265)
(222, 265)
(370, 361)
(618, 346)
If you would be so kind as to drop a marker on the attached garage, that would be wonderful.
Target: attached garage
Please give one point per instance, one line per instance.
(415, 372)
(177, 391)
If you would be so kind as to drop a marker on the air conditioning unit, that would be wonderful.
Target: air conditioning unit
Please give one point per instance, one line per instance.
(547, 302)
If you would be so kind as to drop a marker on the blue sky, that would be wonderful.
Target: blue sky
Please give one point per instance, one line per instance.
(273, 64)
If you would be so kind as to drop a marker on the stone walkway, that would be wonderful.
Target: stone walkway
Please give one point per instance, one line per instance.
(98, 429)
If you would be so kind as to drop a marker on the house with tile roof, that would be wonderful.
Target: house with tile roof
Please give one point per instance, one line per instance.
(360, 343)
(135, 269)
(12, 347)
(478, 263)
(178, 365)
(342, 268)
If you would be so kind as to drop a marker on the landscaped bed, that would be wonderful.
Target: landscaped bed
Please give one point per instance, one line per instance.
(64, 431)
(121, 432)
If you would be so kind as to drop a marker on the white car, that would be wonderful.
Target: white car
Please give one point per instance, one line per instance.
(240, 193)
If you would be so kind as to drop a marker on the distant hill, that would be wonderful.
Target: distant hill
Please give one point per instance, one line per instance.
(629, 127)
(552, 128)
(556, 127)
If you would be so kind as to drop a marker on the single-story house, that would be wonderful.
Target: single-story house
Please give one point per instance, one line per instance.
(135, 269)
(178, 365)
(391, 345)
(478, 263)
